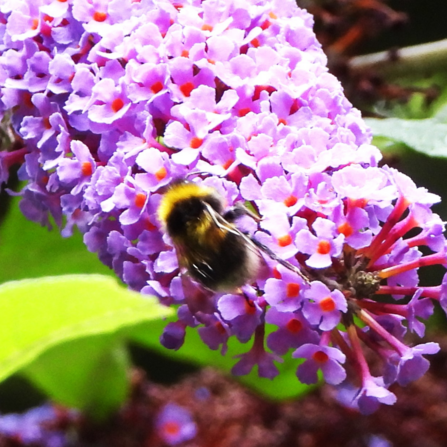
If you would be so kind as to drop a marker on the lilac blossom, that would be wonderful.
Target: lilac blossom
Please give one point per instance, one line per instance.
(242, 313)
(173, 336)
(109, 102)
(323, 307)
(322, 358)
(293, 331)
(372, 394)
(175, 425)
(257, 355)
(286, 292)
(378, 441)
(215, 331)
(322, 246)
(418, 308)
(410, 365)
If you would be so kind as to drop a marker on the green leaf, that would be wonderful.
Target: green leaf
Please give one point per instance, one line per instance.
(28, 250)
(428, 136)
(284, 386)
(89, 373)
(69, 320)
(429, 95)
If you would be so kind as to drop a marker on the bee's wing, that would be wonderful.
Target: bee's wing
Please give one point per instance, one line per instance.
(196, 296)
(224, 225)
(220, 222)
(191, 261)
(252, 242)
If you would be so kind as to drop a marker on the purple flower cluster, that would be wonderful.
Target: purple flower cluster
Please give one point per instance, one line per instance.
(115, 99)
(45, 425)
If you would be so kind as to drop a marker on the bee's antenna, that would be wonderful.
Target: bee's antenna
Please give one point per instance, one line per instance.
(190, 174)
(239, 210)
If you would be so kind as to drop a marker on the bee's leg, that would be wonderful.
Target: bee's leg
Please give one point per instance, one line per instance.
(239, 210)
(279, 260)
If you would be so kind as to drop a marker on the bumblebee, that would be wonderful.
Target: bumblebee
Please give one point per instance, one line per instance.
(209, 246)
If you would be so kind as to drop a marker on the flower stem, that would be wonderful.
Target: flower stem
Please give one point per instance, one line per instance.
(383, 308)
(401, 206)
(427, 292)
(366, 317)
(436, 258)
(417, 58)
(357, 349)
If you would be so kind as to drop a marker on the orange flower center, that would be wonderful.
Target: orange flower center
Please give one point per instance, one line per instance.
(294, 326)
(117, 104)
(324, 247)
(292, 290)
(171, 428)
(195, 143)
(285, 240)
(290, 201)
(320, 357)
(99, 16)
(86, 168)
(187, 88)
(161, 173)
(250, 308)
(140, 199)
(156, 87)
(345, 229)
(327, 304)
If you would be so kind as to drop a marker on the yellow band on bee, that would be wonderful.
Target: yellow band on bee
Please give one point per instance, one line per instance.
(178, 192)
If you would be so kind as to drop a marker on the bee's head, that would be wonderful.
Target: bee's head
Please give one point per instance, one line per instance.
(185, 214)
(184, 206)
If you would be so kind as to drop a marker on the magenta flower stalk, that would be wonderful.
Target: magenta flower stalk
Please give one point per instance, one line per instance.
(114, 100)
